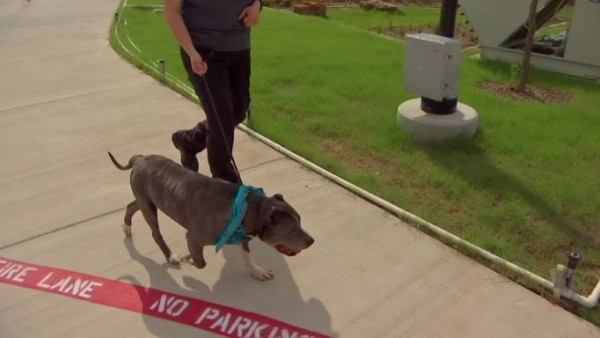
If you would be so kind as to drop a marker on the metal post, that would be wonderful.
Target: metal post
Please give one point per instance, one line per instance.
(162, 67)
(448, 18)
(446, 28)
(574, 260)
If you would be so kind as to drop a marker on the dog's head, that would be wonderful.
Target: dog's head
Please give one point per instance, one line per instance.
(280, 227)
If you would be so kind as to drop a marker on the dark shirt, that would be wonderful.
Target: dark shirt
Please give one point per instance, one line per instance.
(214, 24)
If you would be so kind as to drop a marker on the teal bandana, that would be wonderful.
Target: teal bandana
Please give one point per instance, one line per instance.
(234, 232)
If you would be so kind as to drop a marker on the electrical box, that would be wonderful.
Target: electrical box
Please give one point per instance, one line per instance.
(432, 66)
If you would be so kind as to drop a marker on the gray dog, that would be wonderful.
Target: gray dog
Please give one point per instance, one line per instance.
(202, 205)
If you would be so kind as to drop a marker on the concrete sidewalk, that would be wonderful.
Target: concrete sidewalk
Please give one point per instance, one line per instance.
(66, 98)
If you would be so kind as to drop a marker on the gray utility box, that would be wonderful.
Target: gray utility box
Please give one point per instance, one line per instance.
(432, 66)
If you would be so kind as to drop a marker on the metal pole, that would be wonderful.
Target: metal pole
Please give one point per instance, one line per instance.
(448, 18)
(446, 28)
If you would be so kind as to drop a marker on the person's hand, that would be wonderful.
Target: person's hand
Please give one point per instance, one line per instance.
(249, 15)
(198, 65)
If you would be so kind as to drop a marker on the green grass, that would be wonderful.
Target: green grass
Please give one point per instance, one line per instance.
(558, 24)
(545, 31)
(526, 188)
(145, 2)
(564, 14)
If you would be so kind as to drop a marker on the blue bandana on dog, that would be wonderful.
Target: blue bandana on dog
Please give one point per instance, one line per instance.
(234, 232)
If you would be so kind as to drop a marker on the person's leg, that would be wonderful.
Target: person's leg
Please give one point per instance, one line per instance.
(240, 84)
(238, 71)
(214, 91)
(190, 142)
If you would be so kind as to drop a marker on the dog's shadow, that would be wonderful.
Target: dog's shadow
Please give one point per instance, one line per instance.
(236, 288)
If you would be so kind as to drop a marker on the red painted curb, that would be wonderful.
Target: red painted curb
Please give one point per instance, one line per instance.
(211, 317)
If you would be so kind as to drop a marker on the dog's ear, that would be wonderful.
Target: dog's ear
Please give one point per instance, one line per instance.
(271, 214)
(265, 218)
(274, 215)
(275, 208)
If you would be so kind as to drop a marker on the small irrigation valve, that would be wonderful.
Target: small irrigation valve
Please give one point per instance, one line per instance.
(564, 276)
(574, 260)
(162, 66)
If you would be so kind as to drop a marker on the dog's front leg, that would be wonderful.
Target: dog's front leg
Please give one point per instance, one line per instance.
(257, 271)
(196, 256)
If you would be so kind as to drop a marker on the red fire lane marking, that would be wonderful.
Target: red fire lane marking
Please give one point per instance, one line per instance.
(223, 320)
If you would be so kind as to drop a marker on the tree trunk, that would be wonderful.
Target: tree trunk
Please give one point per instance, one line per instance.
(528, 47)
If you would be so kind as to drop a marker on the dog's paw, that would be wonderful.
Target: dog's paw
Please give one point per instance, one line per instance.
(262, 274)
(127, 230)
(189, 260)
(174, 260)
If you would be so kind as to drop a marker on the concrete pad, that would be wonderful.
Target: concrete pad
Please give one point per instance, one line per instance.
(425, 127)
(368, 274)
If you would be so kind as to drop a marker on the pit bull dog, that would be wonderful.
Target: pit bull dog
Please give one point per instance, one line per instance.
(202, 205)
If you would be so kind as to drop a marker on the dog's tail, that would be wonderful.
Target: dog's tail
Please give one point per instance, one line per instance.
(129, 165)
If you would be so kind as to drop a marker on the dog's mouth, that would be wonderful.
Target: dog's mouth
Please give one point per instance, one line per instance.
(286, 250)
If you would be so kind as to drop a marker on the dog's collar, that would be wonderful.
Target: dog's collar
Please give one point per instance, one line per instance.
(234, 232)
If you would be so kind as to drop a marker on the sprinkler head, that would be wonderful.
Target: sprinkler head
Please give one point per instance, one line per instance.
(162, 66)
(574, 260)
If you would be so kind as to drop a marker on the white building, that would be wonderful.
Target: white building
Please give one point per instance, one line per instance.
(501, 28)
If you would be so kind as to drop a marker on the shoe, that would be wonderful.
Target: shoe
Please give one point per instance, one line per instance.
(189, 143)
(183, 142)
(198, 136)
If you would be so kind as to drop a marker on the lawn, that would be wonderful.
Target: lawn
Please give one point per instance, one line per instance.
(526, 188)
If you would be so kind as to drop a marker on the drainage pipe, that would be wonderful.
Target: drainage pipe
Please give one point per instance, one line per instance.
(446, 236)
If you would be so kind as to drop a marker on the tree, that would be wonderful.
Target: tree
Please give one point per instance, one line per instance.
(531, 25)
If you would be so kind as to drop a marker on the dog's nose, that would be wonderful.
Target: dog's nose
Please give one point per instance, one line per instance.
(309, 241)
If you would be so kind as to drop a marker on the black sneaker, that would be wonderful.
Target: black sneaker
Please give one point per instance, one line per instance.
(198, 136)
(183, 142)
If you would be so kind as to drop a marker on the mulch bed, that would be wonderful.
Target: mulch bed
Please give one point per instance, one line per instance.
(532, 93)
(463, 33)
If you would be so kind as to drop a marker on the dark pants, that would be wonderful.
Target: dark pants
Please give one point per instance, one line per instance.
(228, 84)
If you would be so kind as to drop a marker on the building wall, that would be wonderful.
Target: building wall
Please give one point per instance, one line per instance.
(553, 63)
(495, 20)
(584, 36)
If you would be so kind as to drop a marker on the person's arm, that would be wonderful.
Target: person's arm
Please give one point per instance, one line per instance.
(250, 14)
(182, 35)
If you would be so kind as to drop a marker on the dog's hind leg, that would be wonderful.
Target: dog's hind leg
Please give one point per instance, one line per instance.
(150, 215)
(257, 271)
(196, 257)
(132, 208)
